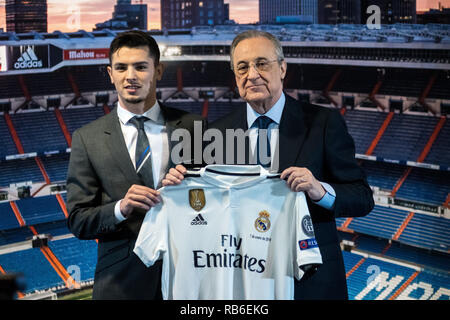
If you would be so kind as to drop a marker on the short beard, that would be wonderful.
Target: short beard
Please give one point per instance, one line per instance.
(134, 101)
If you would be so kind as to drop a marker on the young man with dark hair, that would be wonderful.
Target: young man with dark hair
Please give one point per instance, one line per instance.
(116, 165)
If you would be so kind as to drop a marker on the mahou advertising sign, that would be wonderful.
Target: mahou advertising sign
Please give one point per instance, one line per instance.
(86, 54)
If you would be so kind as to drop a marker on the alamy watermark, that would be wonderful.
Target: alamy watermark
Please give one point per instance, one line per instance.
(233, 147)
(73, 22)
(75, 276)
(374, 20)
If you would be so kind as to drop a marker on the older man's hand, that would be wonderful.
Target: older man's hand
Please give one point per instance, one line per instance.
(301, 179)
(174, 176)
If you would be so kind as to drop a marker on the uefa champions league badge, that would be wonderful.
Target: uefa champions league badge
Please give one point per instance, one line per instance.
(197, 199)
(262, 223)
(307, 226)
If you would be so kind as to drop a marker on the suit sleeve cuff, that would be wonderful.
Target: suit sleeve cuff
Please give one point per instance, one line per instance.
(119, 216)
(328, 199)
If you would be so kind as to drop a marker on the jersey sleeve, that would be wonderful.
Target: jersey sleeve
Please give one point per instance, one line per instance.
(152, 240)
(307, 251)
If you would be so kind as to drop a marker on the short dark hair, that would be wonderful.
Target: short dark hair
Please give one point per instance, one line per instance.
(134, 39)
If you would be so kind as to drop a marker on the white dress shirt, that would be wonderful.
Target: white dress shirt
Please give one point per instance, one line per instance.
(275, 113)
(155, 129)
(272, 131)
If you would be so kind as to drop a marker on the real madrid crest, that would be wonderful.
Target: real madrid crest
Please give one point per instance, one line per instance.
(262, 223)
(197, 199)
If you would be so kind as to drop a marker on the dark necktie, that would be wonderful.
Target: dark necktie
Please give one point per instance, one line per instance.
(142, 155)
(263, 122)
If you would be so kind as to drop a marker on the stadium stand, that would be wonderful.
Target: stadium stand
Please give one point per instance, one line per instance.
(37, 271)
(193, 107)
(423, 257)
(91, 78)
(426, 258)
(439, 151)
(405, 137)
(21, 170)
(428, 284)
(7, 145)
(427, 231)
(54, 228)
(12, 236)
(428, 186)
(363, 126)
(77, 256)
(390, 218)
(40, 209)
(377, 268)
(398, 82)
(77, 117)
(34, 136)
(46, 84)
(423, 185)
(7, 218)
(422, 230)
(10, 87)
(375, 278)
(382, 175)
(440, 86)
(56, 166)
(403, 243)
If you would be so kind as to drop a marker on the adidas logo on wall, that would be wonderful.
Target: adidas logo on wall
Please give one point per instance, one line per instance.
(199, 220)
(28, 60)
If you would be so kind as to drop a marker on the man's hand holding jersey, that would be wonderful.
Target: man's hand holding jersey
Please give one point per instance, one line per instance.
(138, 197)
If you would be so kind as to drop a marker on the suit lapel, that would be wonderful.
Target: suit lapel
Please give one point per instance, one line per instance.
(117, 148)
(240, 122)
(172, 122)
(293, 130)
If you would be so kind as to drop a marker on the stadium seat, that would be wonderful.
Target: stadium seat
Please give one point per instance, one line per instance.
(7, 146)
(56, 166)
(405, 137)
(40, 209)
(439, 150)
(363, 127)
(77, 117)
(427, 231)
(14, 171)
(39, 132)
(427, 186)
(7, 217)
(79, 257)
(381, 222)
(38, 272)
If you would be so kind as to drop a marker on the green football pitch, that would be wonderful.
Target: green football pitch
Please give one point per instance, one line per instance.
(80, 295)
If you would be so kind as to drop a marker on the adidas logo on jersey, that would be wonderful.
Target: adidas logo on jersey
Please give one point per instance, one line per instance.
(199, 220)
(28, 60)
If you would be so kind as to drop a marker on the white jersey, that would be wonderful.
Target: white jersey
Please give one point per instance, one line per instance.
(231, 232)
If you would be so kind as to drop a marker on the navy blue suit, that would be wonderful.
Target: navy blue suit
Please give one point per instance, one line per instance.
(317, 138)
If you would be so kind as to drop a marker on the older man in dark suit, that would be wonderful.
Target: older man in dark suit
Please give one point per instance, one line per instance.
(316, 153)
(115, 166)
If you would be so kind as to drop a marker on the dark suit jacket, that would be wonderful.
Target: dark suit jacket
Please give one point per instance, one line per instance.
(317, 138)
(100, 173)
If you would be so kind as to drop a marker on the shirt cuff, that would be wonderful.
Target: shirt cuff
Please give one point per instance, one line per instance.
(119, 216)
(329, 198)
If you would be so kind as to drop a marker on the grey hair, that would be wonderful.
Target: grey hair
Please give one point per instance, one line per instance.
(257, 34)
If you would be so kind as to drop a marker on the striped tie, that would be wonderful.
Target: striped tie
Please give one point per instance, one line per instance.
(143, 152)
